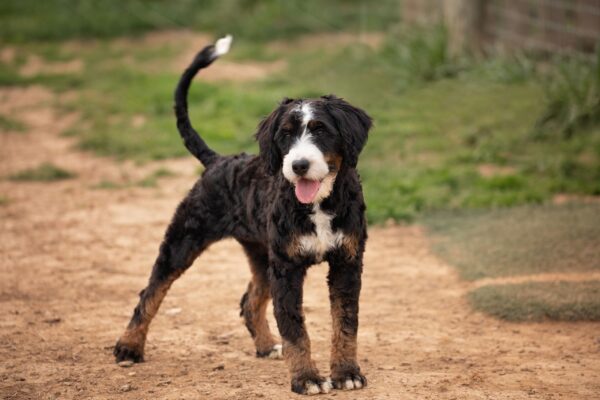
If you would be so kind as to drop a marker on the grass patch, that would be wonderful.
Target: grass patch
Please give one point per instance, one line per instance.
(4, 201)
(572, 91)
(150, 181)
(519, 241)
(26, 20)
(539, 301)
(10, 77)
(435, 135)
(109, 185)
(10, 125)
(420, 55)
(45, 172)
(438, 119)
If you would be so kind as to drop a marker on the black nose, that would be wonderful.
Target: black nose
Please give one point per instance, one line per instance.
(300, 167)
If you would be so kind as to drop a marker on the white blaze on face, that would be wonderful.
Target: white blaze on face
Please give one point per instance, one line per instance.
(304, 148)
(307, 114)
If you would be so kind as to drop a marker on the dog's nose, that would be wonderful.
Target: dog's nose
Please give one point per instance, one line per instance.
(300, 167)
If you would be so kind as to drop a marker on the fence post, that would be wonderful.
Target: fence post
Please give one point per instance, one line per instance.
(464, 21)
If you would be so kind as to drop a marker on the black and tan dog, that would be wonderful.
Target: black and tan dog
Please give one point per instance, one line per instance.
(298, 203)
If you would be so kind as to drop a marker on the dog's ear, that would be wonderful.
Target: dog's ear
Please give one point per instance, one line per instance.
(265, 135)
(353, 125)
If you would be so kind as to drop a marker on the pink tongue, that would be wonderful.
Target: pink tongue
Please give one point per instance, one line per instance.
(306, 190)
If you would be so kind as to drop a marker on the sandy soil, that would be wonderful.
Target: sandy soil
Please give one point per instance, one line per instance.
(73, 259)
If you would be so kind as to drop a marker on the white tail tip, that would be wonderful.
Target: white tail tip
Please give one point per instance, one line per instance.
(222, 45)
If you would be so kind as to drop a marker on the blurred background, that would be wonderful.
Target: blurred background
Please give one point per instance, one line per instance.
(481, 176)
(487, 112)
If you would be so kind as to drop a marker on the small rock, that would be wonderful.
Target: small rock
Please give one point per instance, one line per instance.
(219, 367)
(126, 388)
(173, 311)
(52, 321)
(125, 363)
(132, 373)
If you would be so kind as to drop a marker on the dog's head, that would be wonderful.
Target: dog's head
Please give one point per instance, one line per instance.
(310, 140)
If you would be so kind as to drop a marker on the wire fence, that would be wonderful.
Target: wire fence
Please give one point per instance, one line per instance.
(555, 26)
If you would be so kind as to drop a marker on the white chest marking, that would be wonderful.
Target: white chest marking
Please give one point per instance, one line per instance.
(324, 239)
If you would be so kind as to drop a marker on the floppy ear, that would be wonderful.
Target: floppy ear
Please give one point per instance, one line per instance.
(353, 125)
(265, 136)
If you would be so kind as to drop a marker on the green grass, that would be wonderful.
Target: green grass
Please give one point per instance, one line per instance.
(8, 124)
(149, 181)
(439, 121)
(109, 185)
(572, 96)
(4, 201)
(152, 179)
(562, 301)
(45, 172)
(435, 135)
(519, 241)
(420, 55)
(51, 20)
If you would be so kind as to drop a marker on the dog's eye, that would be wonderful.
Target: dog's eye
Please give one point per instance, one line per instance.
(287, 130)
(319, 131)
(316, 127)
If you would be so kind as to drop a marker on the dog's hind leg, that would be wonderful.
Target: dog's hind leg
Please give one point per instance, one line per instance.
(186, 237)
(254, 302)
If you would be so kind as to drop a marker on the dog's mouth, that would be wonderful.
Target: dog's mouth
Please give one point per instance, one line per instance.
(306, 190)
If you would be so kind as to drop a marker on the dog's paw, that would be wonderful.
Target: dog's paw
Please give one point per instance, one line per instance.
(349, 380)
(274, 353)
(311, 384)
(126, 352)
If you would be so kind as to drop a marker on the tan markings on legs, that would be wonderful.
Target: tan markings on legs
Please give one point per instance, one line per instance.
(135, 334)
(255, 314)
(350, 244)
(298, 358)
(343, 344)
(293, 247)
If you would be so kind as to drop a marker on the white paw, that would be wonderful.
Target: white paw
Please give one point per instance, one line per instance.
(222, 45)
(352, 384)
(314, 388)
(326, 386)
(276, 353)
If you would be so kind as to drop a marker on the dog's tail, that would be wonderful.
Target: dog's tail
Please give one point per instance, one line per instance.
(193, 142)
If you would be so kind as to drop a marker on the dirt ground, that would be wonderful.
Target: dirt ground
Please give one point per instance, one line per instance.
(73, 259)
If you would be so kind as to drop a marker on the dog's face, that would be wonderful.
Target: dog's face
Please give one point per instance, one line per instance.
(310, 140)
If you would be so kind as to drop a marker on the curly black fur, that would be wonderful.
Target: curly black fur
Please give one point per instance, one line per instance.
(246, 197)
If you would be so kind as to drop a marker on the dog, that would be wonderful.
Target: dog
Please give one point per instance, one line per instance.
(298, 203)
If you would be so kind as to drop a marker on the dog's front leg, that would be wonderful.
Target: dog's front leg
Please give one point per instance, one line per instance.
(344, 281)
(286, 287)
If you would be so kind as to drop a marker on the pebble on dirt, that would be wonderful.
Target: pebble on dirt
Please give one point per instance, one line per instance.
(173, 311)
(219, 367)
(125, 363)
(126, 388)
